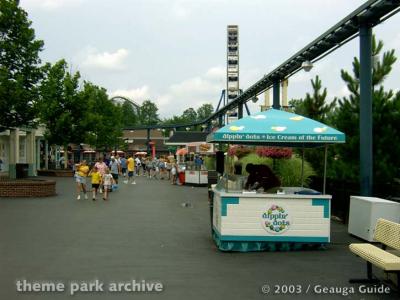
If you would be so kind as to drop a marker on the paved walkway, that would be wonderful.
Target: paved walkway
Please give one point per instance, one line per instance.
(145, 233)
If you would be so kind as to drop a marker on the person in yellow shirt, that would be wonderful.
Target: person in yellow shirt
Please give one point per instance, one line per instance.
(131, 169)
(82, 171)
(96, 180)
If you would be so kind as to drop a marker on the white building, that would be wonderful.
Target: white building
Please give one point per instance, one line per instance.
(20, 146)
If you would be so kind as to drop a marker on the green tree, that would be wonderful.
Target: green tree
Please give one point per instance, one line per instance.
(314, 106)
(102, 119)
(189, 115)
(19, 66)
(386, 120)
(61, 108)
(148, 113)
(174, 120)
(204, 111)
(129, 116)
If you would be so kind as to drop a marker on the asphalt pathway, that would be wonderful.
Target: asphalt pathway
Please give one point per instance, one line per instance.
(145, 233)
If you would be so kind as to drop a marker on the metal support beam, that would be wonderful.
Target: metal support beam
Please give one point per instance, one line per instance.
(276, 95)
(240, 110)
(222, 98)
(148, 141)
(247, 109)
(221, 120)
(209, 126)
(366, 159)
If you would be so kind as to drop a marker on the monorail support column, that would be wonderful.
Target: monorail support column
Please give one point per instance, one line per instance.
(240, 110)
(148, 142)
(221, 120)
(366, 156)
(276, 95)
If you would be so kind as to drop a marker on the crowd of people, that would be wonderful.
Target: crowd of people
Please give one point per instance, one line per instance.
(105, 173)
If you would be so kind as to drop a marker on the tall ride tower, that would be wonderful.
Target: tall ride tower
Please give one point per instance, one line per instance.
(232, 68)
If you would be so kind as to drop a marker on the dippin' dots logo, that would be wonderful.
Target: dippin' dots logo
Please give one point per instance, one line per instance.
(276, 219)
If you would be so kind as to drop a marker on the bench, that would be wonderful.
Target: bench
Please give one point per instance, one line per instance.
(388, 234)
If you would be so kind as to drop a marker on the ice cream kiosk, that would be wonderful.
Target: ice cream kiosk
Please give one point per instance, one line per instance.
(287, 218)
(197, 175)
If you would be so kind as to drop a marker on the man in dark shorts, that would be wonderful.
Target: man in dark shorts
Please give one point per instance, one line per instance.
(130, 163)
(123, 166)
(115, 169)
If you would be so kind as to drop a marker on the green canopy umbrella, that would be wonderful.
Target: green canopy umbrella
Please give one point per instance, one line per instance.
(278, 128)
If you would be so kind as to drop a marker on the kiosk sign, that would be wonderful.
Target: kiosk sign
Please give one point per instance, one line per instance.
(275, 220)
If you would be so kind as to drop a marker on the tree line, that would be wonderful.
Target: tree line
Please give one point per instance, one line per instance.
(72, 109)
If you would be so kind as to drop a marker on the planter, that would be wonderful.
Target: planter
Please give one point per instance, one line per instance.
(56, 173)
(27, 188)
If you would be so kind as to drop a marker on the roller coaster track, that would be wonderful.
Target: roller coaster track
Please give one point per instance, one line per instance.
(134, 104)
(372, 12)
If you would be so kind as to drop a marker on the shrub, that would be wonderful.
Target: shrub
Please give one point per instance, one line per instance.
(288, 170)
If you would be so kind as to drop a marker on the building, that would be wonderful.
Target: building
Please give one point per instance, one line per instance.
(182, 138)
(20, 147)
(136, 141)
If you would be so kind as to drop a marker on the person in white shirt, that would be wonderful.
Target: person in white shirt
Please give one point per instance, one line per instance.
(107, 181)
(138, 165)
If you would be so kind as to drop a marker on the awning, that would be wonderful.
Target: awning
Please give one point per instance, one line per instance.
(182, 151)
(141, 153)
(277, 128)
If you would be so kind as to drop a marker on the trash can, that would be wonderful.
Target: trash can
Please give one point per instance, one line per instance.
(181, 177)
(21, 170)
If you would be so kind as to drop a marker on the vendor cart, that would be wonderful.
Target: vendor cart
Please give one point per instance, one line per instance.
(287, 218)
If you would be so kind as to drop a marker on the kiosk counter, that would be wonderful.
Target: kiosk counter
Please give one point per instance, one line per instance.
(249, 221)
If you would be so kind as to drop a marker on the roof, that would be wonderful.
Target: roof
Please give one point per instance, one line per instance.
(277, 127)
(142, 134)
(185, 137)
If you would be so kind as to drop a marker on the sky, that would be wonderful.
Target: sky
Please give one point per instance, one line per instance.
(173, 52)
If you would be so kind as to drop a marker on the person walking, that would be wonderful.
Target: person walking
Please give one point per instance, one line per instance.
(144, 161)
(138, 165)
(101, 167)
(96, 180)
(82, 171)
(155, 169)
(131, 170)
(149, 167)
(174, 173)
(123, 166)
(107, 182)
(115, 169)
(162, 167)
(168, 167)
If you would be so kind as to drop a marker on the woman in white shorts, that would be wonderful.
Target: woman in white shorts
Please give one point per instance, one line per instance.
(82, 171)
